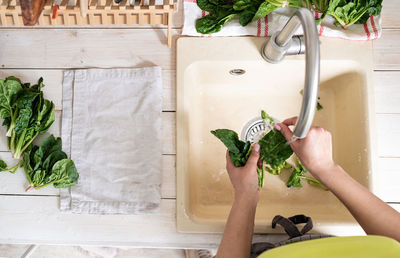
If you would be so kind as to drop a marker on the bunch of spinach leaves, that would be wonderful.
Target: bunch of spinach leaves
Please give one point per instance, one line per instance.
(239, 151)
(25, 112)
(48, 164)
(298, 174)
(221, 11)
(346, 12)
(274, 151)
(3, 167)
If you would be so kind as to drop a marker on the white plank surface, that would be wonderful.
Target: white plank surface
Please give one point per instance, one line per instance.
(388, 127)
(83, 48)
(41, 215)
(390, 14)
(387, 92)
(389, 172)
(387, 51)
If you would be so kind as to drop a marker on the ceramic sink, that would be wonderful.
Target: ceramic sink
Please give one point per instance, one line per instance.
(224, 83)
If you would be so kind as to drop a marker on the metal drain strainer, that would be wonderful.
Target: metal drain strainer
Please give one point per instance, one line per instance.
(255, 129)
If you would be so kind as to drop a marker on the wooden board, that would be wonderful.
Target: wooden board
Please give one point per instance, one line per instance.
(390, 14)
(84, 48)
(389, 171)
(40, 214)
(388, 136)
(387, 91)
(387, 51)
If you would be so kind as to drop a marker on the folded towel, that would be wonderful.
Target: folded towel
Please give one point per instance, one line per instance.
(276, 20)
(111, 128)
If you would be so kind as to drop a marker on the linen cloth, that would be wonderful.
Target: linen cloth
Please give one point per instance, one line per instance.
(111, 129)
(275, 21)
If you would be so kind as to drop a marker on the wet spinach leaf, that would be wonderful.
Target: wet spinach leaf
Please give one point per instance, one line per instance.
(239, 151)
(274, 150)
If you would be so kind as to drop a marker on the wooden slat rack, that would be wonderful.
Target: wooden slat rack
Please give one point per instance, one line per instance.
(99, 13)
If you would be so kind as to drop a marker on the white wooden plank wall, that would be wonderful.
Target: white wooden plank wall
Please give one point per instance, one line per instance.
(31, 53)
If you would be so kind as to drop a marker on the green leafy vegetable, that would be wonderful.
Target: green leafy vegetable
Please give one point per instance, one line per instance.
(25, 112)
(374, 8)
(298, 174)
(239, 151)
(314, 182)
(274, 150)
(266, 117)
(48, 164)
(319, 106)
(348, 12)
(3, 167)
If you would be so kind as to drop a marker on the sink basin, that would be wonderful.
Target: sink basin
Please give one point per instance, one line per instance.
(210, 97)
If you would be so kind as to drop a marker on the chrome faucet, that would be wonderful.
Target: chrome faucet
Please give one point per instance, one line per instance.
(283, 43)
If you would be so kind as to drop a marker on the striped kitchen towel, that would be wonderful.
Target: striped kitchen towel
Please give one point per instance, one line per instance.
(276, 20)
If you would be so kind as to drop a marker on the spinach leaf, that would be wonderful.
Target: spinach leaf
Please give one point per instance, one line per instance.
(263, 10)
(239, 151)
(64, 174)
(315, 182)
(206, 5)
(48, 164)
(10, 88)
(246, 16)
(266, 117)
(295, 177)
(374, 8)
(348, 12)
(274, 150)
(211, 24)
(298, 174)
(3, 167)
(25, 112)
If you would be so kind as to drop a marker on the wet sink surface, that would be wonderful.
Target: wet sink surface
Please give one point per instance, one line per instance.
(210, 97)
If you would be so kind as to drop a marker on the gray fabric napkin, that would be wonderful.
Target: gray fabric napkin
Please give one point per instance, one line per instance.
(111, 129)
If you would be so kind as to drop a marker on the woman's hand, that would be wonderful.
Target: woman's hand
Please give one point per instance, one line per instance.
(244, 179)
(314, 151)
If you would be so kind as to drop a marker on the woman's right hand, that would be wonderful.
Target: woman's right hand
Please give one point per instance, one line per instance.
(314, 151)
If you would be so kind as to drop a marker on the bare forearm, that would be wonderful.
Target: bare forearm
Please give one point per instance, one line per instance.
(374, 215)
(238, 233)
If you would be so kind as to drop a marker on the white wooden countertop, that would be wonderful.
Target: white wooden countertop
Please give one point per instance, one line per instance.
(31, 53)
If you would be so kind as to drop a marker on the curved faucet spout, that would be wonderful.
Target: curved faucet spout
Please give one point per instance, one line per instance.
(284, 43)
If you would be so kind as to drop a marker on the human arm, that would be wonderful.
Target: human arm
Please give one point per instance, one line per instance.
(238, 233)
(315, 152)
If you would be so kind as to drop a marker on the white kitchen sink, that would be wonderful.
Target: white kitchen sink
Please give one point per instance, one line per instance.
(210, 97)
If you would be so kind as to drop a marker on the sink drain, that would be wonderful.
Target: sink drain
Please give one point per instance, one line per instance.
(237, 72)
(255, 129)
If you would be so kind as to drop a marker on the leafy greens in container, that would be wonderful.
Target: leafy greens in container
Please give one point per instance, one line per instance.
(346, 12)
(47, 164)
(25, 112)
